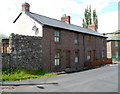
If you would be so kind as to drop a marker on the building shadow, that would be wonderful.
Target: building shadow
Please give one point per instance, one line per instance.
(28, 84)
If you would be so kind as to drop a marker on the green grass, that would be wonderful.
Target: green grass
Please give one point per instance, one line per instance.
(14, 74)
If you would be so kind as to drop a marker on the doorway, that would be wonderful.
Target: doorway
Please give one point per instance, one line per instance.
(67, 58)
(93, 55)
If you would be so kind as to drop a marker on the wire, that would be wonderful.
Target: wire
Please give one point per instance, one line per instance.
(20, 9)
(16, 5)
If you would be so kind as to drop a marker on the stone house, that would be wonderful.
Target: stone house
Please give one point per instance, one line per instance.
(113, 46)
(64, 45)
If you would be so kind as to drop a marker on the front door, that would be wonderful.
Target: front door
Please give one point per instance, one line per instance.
(67, 59)
(93, 55)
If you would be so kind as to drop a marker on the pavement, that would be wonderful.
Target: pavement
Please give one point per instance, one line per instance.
(102, 79)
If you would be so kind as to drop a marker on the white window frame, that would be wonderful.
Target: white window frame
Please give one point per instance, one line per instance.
(77, 57)
(88, 57)
(57, 58)
(103, 54)
(76, 41)
(116, 53)
(56, 36)
(116, 44)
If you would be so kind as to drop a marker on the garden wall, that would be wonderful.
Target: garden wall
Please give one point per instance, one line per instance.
(25, 52)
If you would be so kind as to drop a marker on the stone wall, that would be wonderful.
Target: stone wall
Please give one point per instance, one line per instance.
(5, 60)
(26, 52)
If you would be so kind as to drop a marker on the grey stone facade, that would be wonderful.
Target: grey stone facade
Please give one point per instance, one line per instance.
(26, 52)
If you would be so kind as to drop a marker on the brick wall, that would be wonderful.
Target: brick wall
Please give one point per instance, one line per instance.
(67, 44)
(26, 52)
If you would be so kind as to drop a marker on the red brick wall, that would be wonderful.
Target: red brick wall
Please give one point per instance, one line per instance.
(67, 43)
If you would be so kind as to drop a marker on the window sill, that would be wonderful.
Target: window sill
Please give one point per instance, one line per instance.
(57, 42)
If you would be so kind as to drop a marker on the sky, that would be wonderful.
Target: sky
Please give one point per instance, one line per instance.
(107, 12)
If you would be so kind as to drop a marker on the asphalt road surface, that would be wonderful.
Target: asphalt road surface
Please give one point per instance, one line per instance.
(102, 79)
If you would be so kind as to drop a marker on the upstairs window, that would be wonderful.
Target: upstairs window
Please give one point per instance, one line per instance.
(103, 42)
(76, 40)
(57, 58)
(88, 40)
(56, 36)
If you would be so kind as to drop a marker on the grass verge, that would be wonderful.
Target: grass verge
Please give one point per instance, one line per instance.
(13, 74)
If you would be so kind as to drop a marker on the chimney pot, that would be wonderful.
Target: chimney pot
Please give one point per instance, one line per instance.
(25, 7)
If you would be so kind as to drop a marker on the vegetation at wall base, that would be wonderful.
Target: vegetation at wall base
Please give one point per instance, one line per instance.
(14, 74)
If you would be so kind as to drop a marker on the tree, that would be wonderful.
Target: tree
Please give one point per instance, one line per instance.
(95, 20)
(87, 20)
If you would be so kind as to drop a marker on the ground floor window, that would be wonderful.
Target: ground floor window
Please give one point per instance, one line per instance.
(116, 54)
(88, 55)
(76, 56)
(57, 58)
(116, 44)
(103, 54)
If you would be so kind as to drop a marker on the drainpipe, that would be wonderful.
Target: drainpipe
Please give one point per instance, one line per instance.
(84, 48)
(50, 52)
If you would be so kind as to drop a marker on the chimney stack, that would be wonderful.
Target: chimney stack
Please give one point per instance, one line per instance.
(92, 26)
(25, 7)
(65, 18)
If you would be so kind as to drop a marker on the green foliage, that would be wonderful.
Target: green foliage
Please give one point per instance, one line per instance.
(87, 20)
(95, 20)
(13, 74)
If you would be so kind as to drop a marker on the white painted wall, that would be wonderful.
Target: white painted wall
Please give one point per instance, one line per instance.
(24, 25)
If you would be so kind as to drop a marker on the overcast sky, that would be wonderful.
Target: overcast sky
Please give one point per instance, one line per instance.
(107, 11)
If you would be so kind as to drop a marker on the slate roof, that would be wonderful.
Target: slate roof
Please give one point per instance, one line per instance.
(113, 37)
(56, 23)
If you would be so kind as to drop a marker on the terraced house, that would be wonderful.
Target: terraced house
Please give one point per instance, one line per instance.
(64, 45)
(113, 46)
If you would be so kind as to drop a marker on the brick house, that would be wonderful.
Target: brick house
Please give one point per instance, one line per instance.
(113, 45)
(64, 45)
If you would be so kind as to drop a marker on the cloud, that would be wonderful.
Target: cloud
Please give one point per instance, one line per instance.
(55, 9)
(108, 22)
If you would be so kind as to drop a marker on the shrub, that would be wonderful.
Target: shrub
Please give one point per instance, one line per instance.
(13, 74)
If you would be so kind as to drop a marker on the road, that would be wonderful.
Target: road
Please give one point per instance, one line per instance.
(102, 79)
